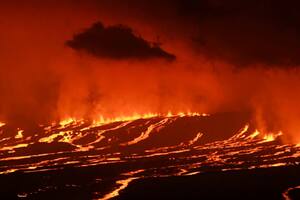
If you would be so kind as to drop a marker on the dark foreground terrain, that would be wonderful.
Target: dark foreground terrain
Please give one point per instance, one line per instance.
(192, 156)
(269, 183)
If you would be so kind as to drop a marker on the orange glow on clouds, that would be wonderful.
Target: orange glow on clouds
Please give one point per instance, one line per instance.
(37, 67)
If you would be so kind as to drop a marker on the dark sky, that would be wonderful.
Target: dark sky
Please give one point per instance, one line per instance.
(238, 32)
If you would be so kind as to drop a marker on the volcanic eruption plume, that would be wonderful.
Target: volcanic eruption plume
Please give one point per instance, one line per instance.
(109, 59)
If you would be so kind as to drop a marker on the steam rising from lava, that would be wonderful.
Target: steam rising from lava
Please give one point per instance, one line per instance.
(42, 79)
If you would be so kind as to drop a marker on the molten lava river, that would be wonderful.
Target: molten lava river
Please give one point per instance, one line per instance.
(184, 156)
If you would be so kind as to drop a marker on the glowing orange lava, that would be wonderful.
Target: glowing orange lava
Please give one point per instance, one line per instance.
(268, 137)
(2, 124)
(104, 120)
(19, 134)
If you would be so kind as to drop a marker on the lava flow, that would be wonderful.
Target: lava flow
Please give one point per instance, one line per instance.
(149, 146)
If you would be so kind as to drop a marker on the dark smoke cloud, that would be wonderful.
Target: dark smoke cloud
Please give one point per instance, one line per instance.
(116, 42)
(241, 33)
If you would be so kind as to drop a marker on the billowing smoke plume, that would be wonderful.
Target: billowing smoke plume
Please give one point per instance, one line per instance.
(62, 59)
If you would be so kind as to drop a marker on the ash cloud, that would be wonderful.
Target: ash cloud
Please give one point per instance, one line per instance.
(43, 79)
(241, 33)
(116, 42)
